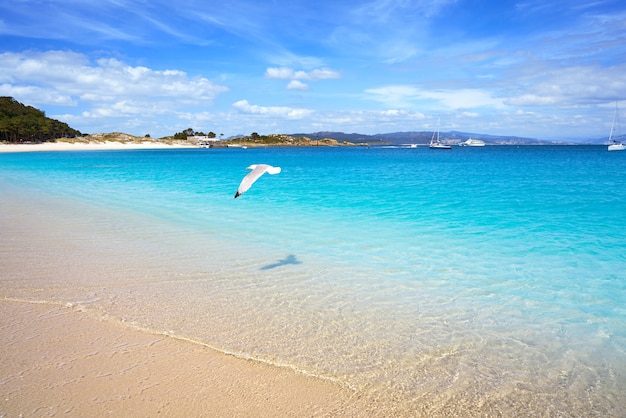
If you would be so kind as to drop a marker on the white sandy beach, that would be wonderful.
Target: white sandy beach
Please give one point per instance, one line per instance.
(59, 361)
(89, 146)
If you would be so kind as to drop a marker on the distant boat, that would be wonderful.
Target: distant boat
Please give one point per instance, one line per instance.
(435, 143)
(614, 144)
(471, 142)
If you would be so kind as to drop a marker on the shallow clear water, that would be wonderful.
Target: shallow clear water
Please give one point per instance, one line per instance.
(483, 280)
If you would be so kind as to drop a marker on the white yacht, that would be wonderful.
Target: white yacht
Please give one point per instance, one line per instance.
(471, 142)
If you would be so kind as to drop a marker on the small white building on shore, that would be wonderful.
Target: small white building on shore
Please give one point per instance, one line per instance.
(202, 141)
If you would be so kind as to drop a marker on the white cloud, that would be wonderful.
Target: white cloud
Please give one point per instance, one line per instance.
(281, 73)
(322, 74)
(289, 59)
(406, 95)
(286, 73)
(462, 98)
(530, 100)
(570, 86)
(399, 114)
(275, 111)
(68, 74)
(43, 95)
(373, 121)
(107, 94)
(297, 85)
(395, 96)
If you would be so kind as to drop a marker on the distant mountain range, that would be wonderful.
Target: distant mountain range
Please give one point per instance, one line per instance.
(451, 138)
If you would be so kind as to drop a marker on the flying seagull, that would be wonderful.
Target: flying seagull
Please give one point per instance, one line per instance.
(257, 171)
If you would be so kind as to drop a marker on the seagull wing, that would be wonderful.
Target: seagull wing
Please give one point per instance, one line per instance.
(257, 171)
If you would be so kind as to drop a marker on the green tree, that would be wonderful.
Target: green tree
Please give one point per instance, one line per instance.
(25, 123)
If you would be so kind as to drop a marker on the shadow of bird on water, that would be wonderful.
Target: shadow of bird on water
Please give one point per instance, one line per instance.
(290, 259)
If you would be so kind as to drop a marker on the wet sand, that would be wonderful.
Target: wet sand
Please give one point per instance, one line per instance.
(56, 360)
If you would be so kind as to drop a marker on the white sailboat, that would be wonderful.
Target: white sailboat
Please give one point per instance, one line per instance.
(614, 144)
(435, 143)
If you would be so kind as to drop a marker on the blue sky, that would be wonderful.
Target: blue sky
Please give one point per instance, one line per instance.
(535, 68)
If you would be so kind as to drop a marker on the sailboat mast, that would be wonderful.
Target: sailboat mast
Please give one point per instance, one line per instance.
(432, 139)
(613, 126)
(615, 138)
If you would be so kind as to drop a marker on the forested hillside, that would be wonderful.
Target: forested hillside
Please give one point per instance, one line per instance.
(20, 123)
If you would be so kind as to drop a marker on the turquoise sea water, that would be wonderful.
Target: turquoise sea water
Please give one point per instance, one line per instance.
(480, 281)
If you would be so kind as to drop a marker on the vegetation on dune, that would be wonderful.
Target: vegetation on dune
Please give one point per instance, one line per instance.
(281, 139)
(125, 138)
(254, 140)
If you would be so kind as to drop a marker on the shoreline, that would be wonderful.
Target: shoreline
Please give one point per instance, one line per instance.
(57, 359)
(89, 146)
